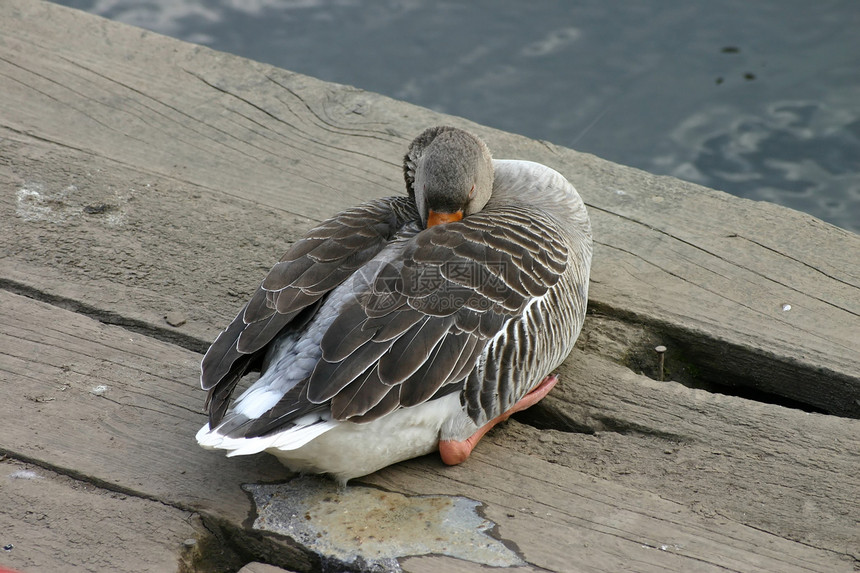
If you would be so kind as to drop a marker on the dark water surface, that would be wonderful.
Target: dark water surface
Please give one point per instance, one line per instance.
(758, 98)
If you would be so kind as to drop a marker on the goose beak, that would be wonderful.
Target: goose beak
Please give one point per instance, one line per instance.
(436, 218)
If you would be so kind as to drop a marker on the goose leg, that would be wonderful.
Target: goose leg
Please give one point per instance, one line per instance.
(454, 452)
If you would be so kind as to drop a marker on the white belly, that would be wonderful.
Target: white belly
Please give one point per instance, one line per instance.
(351, 450)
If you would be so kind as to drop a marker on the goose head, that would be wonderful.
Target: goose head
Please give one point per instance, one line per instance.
(449, 174)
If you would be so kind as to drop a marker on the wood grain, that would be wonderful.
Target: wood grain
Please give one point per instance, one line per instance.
(43, 529)
(718, 453)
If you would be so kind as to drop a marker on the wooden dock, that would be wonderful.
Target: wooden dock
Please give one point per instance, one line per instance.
(146, 186)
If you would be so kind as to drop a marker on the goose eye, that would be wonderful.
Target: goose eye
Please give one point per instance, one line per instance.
(472, 192)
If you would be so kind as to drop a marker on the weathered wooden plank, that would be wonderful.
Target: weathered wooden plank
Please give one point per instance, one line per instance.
(718, 453)
(116, 408)
(602, 526)
(50, 522)
(93, 400)
(143, 166)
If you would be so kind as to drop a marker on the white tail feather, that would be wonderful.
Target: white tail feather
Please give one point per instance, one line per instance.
(291, 439)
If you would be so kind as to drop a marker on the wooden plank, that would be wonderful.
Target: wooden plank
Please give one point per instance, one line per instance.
(134, 436)
(717, 453)
(97, 401)
(50, 522)
(573, 521)
(145, 166)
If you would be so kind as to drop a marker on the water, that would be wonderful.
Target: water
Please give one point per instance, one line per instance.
(760, 99)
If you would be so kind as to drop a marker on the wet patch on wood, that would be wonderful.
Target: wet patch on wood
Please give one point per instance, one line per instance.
(369, 529)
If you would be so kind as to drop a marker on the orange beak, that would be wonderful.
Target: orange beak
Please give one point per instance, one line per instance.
(434, 218)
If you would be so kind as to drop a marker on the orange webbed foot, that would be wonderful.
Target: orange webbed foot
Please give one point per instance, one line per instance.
(454, 452)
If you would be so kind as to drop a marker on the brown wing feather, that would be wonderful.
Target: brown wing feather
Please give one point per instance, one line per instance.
(422, 322)
(360, 395)
(465, 284)
(313, 266)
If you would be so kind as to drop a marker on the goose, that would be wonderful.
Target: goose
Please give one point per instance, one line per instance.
(407, 324)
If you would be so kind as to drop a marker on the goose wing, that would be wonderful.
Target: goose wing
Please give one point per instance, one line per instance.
(420, 323)
(294, 288)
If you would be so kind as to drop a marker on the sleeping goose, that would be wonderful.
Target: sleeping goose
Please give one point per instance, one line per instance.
(408, 324)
